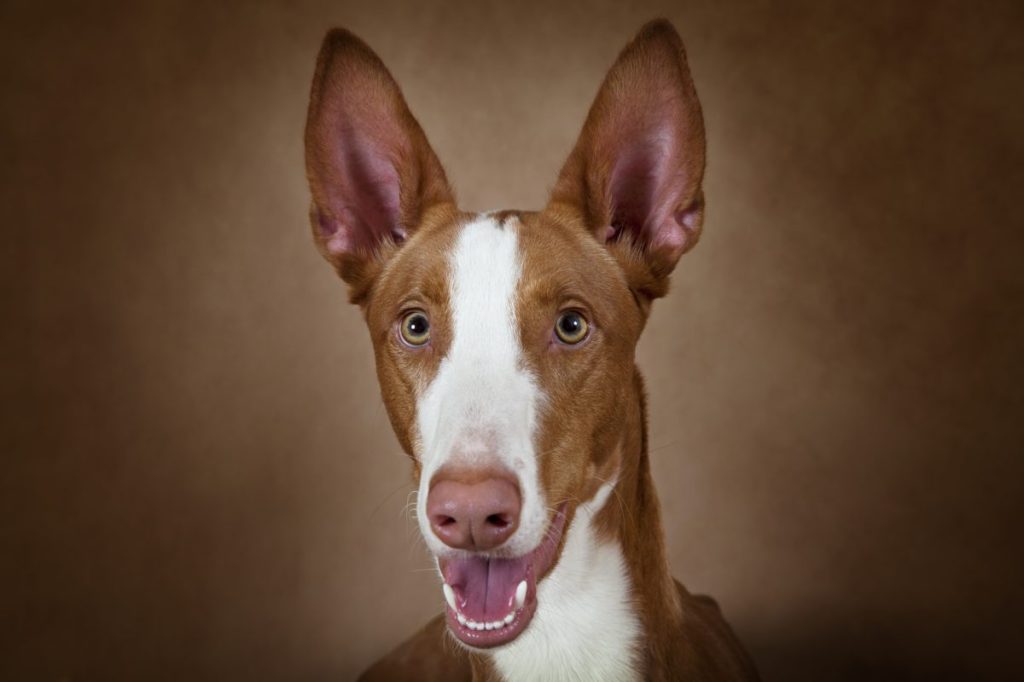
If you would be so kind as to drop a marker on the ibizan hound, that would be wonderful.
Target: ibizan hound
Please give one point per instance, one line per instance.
(504, 344)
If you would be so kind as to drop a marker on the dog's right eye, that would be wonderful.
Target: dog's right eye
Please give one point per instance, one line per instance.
(415, 328)
(571, 327)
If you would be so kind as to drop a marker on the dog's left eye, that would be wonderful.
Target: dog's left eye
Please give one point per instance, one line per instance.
(415, 328)
(571, 327)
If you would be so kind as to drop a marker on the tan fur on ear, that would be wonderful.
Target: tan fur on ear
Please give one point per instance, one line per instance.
(372, 172)
(635, 173)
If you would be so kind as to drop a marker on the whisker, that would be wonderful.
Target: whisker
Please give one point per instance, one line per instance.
(618, 496)
(387, 497)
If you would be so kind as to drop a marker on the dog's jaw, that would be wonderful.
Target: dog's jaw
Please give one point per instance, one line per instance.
(510, 586)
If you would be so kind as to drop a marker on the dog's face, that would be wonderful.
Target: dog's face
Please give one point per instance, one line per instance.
(504, 341)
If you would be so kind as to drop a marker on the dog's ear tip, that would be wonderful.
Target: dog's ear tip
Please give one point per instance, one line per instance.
(339, 37)
(340, 42)
(659, 26)
(659, 31)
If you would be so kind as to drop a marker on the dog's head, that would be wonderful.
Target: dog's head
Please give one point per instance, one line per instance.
(504, 341)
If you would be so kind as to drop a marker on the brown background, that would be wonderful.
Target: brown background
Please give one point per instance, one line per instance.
(199, 481)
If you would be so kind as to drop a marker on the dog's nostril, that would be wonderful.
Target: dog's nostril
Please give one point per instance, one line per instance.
(498, 520)
(445, 520)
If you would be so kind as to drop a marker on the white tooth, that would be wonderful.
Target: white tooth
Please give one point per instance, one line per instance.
(521, 595)
(462, 619)
(488, 626)
(509, 617)
(449, 596)
(473, 625)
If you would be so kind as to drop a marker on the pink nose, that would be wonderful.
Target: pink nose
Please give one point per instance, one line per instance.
(473, 510)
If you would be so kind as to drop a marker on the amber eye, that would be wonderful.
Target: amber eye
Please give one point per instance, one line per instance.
(571, 327)
(415, 328)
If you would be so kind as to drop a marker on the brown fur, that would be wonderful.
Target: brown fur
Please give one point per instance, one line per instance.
(593, 427)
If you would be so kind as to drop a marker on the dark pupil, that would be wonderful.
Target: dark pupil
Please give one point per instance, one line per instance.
(570, 324)
(418, 325)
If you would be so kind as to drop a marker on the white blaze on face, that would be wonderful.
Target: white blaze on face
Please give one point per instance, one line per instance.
(481, 408)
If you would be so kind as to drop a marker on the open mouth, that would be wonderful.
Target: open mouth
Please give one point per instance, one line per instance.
(491, 600)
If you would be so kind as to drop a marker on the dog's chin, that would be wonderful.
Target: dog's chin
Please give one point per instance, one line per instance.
(491, 600)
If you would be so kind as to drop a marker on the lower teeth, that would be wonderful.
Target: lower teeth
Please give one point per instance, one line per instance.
(496, 625)
(520, 598)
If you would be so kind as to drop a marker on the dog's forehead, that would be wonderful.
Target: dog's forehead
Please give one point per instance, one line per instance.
(419, 269)
(551, 260)
(560, 259)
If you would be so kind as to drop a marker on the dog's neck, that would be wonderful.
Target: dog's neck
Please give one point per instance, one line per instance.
(609, 609)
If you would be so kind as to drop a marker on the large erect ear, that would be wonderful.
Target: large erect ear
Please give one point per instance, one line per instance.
(370, 167)
(635, 173)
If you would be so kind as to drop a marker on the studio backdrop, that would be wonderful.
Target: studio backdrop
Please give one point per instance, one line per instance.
(199, 481)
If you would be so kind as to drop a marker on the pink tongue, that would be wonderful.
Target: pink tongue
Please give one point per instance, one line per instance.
(485, 589)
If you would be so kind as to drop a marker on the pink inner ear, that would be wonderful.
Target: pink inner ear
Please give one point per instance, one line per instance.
(631, 188)
(670, 237)
(689, 220)
(364, 200)
(645, 186)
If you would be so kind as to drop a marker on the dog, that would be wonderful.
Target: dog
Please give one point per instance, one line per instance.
(504, 346)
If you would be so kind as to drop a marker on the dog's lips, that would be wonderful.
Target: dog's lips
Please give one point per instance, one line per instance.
(491, 600)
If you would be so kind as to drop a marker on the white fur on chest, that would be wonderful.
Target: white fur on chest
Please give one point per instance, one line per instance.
(585, 628)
